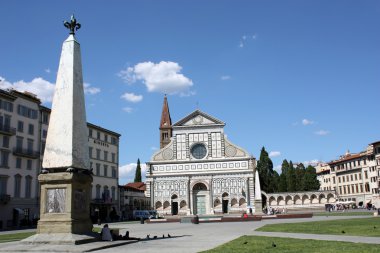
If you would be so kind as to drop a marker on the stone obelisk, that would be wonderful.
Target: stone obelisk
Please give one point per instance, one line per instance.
(66, 179)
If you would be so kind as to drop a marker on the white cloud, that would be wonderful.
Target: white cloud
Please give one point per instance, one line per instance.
(128, 109)
(153, 148)
(274, 153)
(131, 97)
(224, 78)
(278, 169)
(38, 86)
(47, 70)
(90, 90)
(241, 44)
(322, 132)
(42, 88)
(313, 162)
(164, 77)
(127, 172)
(246, 38)
(306, 122)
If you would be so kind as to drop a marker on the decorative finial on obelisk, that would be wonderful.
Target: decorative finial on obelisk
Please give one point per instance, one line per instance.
(73, 25)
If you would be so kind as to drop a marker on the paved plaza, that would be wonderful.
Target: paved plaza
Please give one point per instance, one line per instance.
(186, 237)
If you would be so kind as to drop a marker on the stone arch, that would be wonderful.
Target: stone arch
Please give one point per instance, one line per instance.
(174, 197)
(322, 198)
(183, 205)
(305, 199)
(242, 203)
(193, 184)
(217, 203)
(200, 186)
(280, 201)
(225, 195)
(166, 205)
(158, 205)
(289, 200)
(272, 201)
(330, 198)
(297, 200)
(314, 199)
(234, 203)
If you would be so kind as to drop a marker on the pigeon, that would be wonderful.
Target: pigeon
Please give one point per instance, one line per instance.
(169, 235)
(155, 237)
(374, 227)
(245, 242)
(147, 236)
(343, 232)
(274, 245)
(163, 236)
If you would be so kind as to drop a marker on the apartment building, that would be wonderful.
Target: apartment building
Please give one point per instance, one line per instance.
(23, 131)
(354, 177)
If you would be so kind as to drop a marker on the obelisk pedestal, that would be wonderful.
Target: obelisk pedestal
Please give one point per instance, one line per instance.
(258, 199)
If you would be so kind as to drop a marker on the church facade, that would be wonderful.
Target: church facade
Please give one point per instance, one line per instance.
(199, 171)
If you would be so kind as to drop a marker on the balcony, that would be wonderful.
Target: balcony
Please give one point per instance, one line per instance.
(26, 153)
(5, 198)
(7, 130)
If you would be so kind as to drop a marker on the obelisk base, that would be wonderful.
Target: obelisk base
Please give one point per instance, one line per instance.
(258, 206)
(64, 209)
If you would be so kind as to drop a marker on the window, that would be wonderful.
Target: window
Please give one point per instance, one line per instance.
(28, 186)
(30, 145)
(199, 151)
(20, 126)
(18, 163)
(90, 165)
(367, 189)
(113, 141)
(19, 141)
(105, 138)
(356, 177)
(113, 191)
(98, 135)
(7, 106)
(90, 151)
(352, 177)
(43, 144)
(90, 132)
(5, 141)
(26, 112)
(31, 129)
(17, 186)
(105, 170)
(29, 164)
(44, 133)
(105, 156)
(3, 184)
(113, 157)
(113, 172)
(4, 159)
(98, 154)
(45, 118)
(366, 174)
(98, 191)
(98, 169)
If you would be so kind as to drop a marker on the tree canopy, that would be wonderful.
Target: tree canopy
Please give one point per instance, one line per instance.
(138, 172)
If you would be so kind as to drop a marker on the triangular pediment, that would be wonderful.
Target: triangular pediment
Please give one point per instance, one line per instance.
(197, 118)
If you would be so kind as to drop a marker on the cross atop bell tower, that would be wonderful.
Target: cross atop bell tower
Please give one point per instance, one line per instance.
(165, 125)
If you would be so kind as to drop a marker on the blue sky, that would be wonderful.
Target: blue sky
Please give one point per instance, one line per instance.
(298, 77)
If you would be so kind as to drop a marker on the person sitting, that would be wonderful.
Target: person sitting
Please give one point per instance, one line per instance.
(106, 233)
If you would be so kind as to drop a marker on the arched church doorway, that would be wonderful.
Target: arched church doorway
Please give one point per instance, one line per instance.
(225, 202)
(199, 197)
(174, 204)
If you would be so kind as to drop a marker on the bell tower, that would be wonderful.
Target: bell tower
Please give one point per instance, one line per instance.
(165, 125)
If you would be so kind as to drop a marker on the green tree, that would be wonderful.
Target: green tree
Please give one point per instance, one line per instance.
(310, 179)
(138, 172)
(290, 178)
(300, 174)
(282, 185)
(266, 174)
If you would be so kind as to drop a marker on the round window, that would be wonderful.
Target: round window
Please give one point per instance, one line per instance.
(199, 151)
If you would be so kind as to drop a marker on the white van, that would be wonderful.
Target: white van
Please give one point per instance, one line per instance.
(145, 214)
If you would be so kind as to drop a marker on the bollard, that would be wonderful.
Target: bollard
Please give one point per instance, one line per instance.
(141, 220)
(196, 219)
